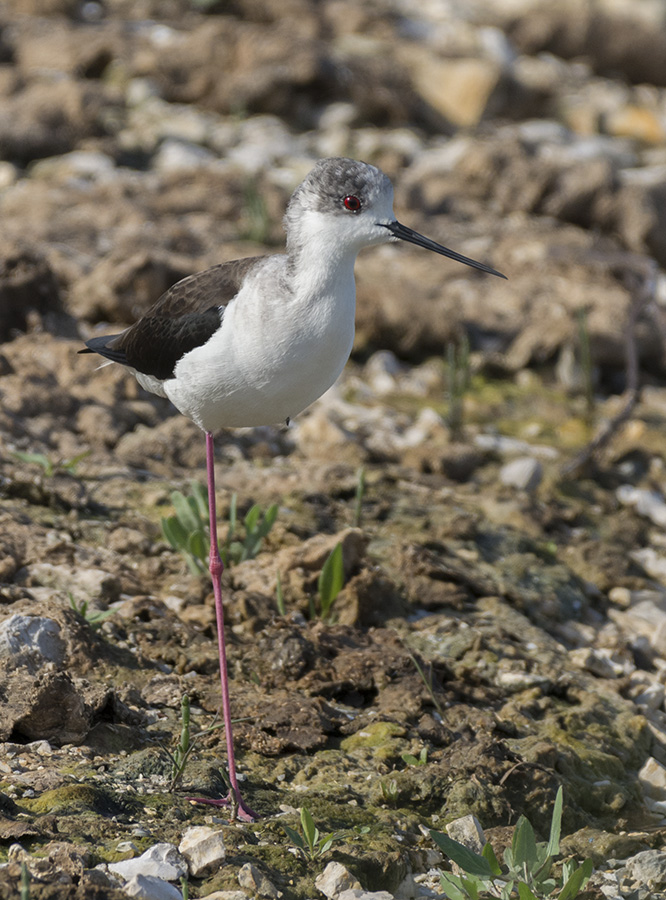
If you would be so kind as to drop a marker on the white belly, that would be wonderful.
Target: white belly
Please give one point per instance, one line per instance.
(268, 361)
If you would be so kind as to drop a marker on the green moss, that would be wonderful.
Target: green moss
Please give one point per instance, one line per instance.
(383, 740)
(76, 798)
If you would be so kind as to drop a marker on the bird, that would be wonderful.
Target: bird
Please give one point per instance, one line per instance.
(255, 341)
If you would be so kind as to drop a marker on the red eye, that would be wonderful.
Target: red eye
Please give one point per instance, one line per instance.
(353, 204)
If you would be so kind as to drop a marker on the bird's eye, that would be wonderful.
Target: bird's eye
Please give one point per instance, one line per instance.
(353, 204)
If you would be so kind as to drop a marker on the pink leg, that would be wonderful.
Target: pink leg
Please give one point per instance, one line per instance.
(216, 568)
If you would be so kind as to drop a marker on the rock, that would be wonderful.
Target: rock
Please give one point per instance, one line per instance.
(652, 697)
(161, 861)
(361, 894)
(652, 778)
(595, 661)
(508, 446)
(31, 641)
(524, 473)
(149, 887)
(461, 90)
(647, 503)
(203, 848)
(226, 895)
(27, 285)
(647, 869)
(179, 155)
(468, 831)
(334, 879)
(253, 879)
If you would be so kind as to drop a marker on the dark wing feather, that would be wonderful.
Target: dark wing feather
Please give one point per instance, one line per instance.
(183, 318)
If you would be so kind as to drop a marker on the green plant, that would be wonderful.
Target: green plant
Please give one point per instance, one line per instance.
(49, 465)
(360, 493)
(310, 842)
(419, 760)
(25, 882)
(330, 582)
(94, 617)
(186, 530)
(428, 682)
(185, 744)
(528, 866)
(389, 791)
(185, 887)
(458, 381)
(257, 526)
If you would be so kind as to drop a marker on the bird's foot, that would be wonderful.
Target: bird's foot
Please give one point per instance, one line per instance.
(237, 807)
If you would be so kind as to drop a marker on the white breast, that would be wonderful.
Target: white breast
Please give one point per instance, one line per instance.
(277, 351)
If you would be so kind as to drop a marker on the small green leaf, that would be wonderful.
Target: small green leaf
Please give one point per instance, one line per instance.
(200, 495)
(489, 854)
(469, 862)
(252, 517)
(409, 759)
(186, 515)
(452, 886)
(198, 546)
(523, 845)
(294, 837)
(525, 893)
(331, 580)
(555, 825)
(576, 881)
(309, 828)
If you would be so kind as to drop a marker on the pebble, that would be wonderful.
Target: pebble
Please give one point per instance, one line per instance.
(647, 503)
(162, 861)
(203, 848)
(652, 697)
(647, 869)
(597, 662)
(335, 879)
(176, 156)
(524, 473)
(149, 887)
(253, 879)
(226, 895)
(652, 778)
(467, 830)
(360, 894)
(508, 446)
(31, 638)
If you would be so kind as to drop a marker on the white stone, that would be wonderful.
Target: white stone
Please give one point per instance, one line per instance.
(647, 503)
(254, 879)
(203, 848)
(648, 869)
(148, 887)
(29, 637)
(226, 895)
(651, 697)
(652, 778)
(175, 155)
(468, 831)
(160, 861)
(334, 879)
(508, 446)
(360, 894)
(597, 662)
(524, 473)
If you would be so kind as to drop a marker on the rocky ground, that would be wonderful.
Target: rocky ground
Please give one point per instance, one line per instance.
(492, 461)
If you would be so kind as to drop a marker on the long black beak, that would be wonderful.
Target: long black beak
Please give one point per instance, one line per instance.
(413, 237)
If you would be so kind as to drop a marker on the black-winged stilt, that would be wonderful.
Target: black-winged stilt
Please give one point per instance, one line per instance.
(255, 341)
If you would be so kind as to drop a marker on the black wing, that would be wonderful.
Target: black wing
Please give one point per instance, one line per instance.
(183, 318)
